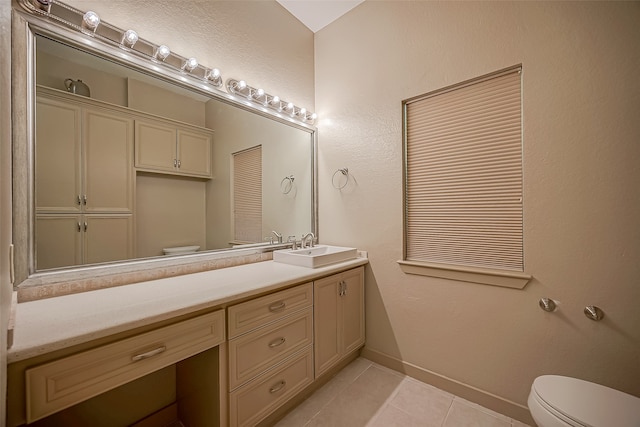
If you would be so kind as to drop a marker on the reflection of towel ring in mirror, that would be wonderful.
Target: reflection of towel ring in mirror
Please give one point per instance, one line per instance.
(287, 184)
(345, 173)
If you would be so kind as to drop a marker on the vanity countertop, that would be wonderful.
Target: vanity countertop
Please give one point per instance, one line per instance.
(52, 324)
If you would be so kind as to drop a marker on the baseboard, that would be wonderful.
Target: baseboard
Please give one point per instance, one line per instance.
(472, 394)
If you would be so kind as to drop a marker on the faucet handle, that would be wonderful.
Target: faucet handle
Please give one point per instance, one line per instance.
(294, 243)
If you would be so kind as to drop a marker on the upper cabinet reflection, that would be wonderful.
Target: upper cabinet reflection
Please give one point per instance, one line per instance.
(129, 166)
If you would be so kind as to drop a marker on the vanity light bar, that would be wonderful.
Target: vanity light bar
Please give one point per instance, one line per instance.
(259, 96)
(89, 23)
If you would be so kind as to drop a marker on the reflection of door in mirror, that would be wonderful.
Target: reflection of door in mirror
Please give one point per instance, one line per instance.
(247, 196)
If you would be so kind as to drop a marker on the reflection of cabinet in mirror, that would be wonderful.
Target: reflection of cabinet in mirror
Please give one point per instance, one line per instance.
(84, 184)
(167, 148)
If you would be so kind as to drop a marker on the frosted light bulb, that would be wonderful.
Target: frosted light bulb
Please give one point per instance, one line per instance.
(162, 52)
(91, 20)
(130, 38)
(190, 64)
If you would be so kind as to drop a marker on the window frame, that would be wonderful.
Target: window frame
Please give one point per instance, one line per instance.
(489, 276)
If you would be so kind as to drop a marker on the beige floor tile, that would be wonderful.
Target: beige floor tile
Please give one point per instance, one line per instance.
(380, 384)
(367, 394)
(391, 416)
(349, 409)
(463, 414)
(423, 402)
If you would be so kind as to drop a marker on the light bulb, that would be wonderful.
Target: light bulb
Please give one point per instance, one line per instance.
(242, 85)
(260, 93)
(162, 52)
(290, 106)
(190, 64)
(302, 112)
(129, 38)
(275, 100)
(214, 76)
(91, 20)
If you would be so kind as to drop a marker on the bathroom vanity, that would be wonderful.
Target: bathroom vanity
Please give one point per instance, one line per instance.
(235, 346)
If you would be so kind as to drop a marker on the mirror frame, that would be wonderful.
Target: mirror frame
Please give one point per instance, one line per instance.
(25, 27)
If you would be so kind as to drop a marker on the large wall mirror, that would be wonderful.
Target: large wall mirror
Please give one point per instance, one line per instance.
(124, 161)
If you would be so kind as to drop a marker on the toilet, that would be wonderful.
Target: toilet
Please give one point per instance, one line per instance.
(557, 401)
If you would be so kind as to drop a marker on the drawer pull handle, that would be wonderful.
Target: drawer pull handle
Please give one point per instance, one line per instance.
(278, 386)
(148, 354)
(277, 306)
(277, 342)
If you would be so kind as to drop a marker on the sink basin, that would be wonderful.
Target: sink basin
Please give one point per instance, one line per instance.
(317, 256)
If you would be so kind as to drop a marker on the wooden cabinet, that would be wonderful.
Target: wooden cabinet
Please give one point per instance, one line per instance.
(169, 148)
(270, 353)
(83, 158)
(338, 317)
(65, 382)
(84, 183)
(67, 239)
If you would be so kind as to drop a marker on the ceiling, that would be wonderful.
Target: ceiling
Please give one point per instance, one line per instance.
(316, 14)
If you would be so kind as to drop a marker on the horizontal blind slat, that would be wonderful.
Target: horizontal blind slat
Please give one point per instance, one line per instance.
(463, 192)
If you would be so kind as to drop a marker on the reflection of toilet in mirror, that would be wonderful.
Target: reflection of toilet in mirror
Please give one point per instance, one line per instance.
(556, 401)
(180, 250)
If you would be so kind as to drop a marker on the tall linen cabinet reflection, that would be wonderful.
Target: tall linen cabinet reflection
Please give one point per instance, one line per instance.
(83, 183)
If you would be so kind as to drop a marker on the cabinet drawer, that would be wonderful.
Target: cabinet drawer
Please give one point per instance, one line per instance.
(65, 382)
(260, 311)
(257, 351)
(253, 402)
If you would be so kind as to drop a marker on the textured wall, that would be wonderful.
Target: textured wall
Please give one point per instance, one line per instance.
(581, 95)
(257, 41)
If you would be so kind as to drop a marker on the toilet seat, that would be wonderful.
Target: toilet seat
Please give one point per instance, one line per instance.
(583, 404)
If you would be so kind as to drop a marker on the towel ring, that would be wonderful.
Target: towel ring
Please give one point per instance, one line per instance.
(344, 172)
(287, 184)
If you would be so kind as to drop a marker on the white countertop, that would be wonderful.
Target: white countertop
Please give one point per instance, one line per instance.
(52, 324)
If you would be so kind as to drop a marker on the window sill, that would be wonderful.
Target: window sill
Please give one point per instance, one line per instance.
(507, 279)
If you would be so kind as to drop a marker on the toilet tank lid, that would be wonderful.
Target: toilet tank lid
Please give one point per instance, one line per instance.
(589, 404)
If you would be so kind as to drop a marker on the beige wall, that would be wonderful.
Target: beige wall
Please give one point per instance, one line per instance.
(285, 151)
(581, 98)
(257, 41)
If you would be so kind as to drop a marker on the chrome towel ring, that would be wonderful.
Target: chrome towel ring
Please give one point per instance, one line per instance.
(345, 173)
(287, 184)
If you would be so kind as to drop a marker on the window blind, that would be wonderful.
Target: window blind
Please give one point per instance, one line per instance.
(247, 195)
(463, 176)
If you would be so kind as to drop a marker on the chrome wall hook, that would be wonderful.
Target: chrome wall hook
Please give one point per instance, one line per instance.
(594, 313)
(547, 304)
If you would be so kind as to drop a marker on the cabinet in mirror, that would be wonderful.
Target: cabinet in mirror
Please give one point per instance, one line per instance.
(137, 165)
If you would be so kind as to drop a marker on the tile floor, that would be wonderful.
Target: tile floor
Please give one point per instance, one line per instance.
(367, 394)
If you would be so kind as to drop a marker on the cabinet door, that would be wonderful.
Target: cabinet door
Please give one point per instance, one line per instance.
(352, 310)
(57, 156)
(155, 146)
(58, 241)
(327, 320)
(107, 238)
(108, 151)
(194, 153)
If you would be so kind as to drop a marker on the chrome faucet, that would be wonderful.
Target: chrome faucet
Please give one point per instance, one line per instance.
(304, 240)
(278, 236)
